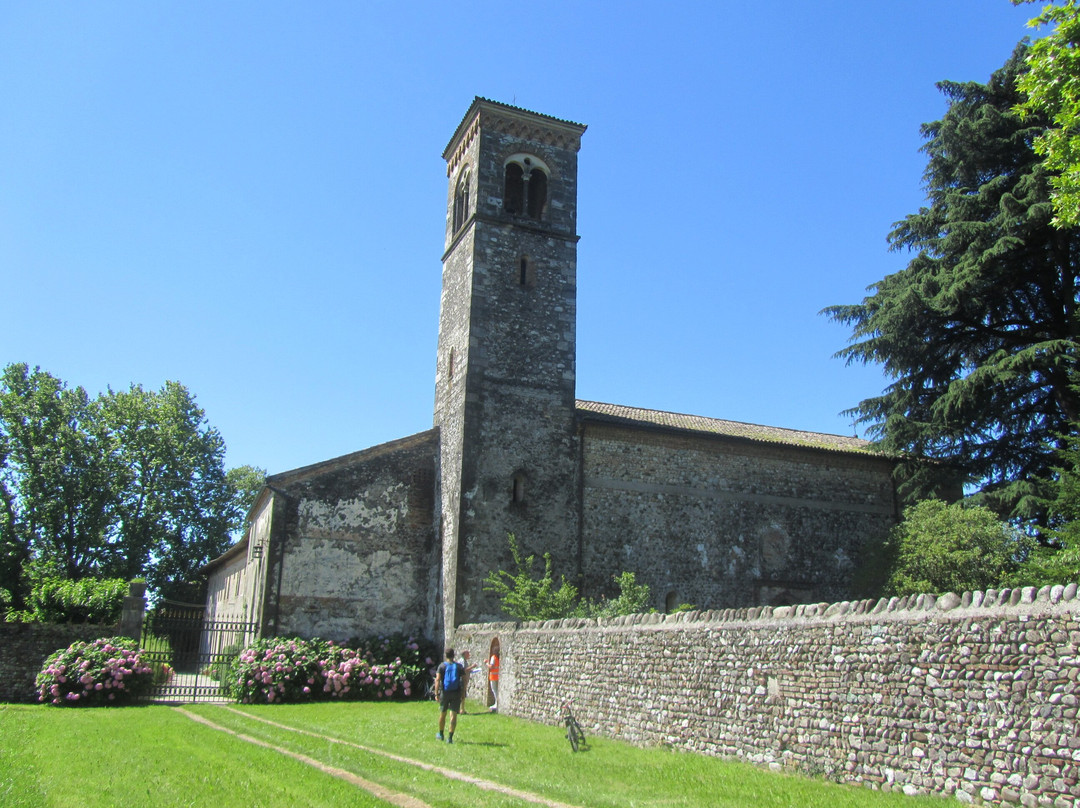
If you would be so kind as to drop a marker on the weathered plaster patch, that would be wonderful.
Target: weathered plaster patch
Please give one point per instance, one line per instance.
(381, 513)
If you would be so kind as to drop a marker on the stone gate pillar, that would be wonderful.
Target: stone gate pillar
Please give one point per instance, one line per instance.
(131, 619)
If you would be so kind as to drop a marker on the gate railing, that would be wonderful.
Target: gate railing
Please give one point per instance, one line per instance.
(189, 653)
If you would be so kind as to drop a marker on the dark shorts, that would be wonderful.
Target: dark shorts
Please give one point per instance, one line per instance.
(450, 700)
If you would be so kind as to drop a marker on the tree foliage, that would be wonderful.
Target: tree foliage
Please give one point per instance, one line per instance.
(131, 483)
(57, 472)
(979, 332)
(1052, 89)
(941, 547)
(1057, 560)
(633, 598)
(87, 600)
(525, 597)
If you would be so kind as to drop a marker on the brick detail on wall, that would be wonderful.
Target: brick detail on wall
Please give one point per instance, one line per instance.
(973, 695)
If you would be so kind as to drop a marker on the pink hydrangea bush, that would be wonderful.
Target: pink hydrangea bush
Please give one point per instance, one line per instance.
(106, 671)
(406, 659)
(284, 670)
(349, 675)
(277, 670)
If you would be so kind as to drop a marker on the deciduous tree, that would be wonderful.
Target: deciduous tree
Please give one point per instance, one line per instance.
(58, 475)
(952, 548)
(175, 506)
(1052, 90)
(130, 483)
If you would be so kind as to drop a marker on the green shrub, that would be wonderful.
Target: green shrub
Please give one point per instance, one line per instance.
(222, 668)
(105, 671)
(633, 598)
(526, 597)
(159, 654)
(87, 600)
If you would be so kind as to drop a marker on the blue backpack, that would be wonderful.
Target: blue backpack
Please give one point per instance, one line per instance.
(451, 678)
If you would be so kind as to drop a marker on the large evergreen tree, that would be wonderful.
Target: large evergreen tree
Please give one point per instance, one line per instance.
(979, 332)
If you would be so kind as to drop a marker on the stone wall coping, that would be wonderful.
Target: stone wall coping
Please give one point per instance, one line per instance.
(1019, 600)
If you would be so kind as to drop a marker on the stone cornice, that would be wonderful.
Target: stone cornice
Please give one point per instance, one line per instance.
(517, 221)
(510, 120)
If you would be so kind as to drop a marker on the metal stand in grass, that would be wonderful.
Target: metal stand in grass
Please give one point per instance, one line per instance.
(573, 729)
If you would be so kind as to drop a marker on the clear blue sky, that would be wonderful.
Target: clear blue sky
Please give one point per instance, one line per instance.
(248, 197)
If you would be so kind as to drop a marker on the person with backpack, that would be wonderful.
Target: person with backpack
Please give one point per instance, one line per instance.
(448, 682)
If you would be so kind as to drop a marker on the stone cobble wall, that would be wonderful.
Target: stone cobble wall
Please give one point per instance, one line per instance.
(24, 647)
(972, 695)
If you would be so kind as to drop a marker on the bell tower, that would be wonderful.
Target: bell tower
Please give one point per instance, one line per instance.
(505, 374)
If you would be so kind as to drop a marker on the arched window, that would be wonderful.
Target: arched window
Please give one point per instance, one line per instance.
(537, 193)
(525, 189)
(514, 190)
(461, 201)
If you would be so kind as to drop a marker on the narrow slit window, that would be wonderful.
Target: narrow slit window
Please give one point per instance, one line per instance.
(526, 272)
(518, 494)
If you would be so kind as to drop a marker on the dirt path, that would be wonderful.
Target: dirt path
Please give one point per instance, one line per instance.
(452, 774)
(393, 797)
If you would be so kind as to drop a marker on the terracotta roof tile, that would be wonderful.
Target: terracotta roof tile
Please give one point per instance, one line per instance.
(716, 426)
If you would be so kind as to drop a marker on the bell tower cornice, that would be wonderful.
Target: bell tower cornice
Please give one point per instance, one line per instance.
(510, 120)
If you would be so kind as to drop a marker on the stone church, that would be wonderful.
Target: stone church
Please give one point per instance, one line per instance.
(400, 536)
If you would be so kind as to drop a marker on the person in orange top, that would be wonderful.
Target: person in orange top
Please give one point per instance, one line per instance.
(493, 680)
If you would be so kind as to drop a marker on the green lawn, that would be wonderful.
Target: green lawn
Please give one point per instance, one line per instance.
(158, 756)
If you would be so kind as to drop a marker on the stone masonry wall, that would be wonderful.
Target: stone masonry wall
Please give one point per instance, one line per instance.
(508, 315)
(358, 554)
(24, 647)
(725, 524)
(972, 695)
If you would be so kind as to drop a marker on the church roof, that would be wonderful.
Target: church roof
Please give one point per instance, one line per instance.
(595, 410)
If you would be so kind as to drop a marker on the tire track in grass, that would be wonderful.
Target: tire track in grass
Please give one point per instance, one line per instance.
(382, 792)
(452, 774)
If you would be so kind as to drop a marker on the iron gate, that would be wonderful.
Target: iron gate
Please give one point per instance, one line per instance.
(189, 653)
